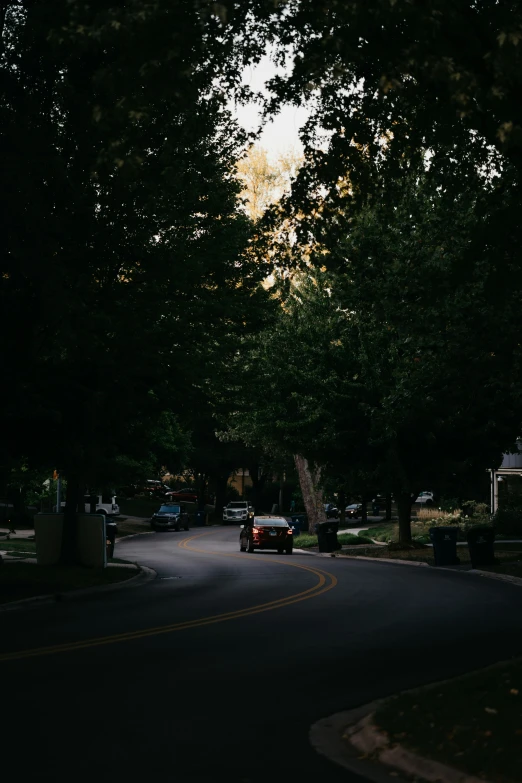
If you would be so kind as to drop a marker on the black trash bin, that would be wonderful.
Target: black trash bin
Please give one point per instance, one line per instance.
(111, 528)
(200, 518)
(327, 536)
(444, 541)
(481, 542)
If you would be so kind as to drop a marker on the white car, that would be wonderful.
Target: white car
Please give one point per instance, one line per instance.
(425, 497)
(105, 504)
(238, 511)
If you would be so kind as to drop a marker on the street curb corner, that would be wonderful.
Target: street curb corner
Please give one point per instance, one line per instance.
(144, 576)
(326, 738)
(351, 740)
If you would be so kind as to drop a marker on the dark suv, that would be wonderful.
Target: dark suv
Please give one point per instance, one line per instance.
(170, 516)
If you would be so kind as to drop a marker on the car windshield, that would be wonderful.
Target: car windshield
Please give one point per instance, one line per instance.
(170, 509)
(271, 523)
(237, 505)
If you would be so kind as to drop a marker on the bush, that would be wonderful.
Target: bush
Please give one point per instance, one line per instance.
(437, 513)
(508, 521)
(448, 504)
(305, 540)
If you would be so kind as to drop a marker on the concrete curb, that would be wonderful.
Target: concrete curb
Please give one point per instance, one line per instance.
(143, 577)
(351, 740)
(333, 737)
(326, 737)
(514, 580)
(133, 535)
(365, 737)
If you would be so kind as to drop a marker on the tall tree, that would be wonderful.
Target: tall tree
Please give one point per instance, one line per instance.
(123, 239)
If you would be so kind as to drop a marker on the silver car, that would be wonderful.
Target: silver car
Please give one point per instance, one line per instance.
(238, 511)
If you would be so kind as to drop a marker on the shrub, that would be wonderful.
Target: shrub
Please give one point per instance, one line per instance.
(508, 521)
(448, 504)
(437, 513)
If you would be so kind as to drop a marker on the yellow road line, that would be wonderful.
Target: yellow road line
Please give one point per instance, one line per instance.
(318, 589)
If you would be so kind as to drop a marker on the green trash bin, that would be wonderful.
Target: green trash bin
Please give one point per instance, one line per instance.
(444, 541)
(481, 544)
(327, 536)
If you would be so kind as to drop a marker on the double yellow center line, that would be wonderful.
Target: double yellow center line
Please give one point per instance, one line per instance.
(325, 582)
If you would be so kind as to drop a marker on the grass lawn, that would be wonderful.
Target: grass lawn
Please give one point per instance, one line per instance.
(508, 556)
(26, 580)
(19, 547)
(306, 540)
(473, 723)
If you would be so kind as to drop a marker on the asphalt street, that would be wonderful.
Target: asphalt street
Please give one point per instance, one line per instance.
(216, 670)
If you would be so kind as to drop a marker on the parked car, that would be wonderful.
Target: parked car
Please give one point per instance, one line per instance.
(426, 498)
(170, 516)
(105, 504)
(353, 510)
(237, 511)
(187, 494)
(151, 487)
(266, 533)
(331, 511)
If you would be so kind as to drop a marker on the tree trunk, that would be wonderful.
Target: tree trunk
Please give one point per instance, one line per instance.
(221, 495)
(312, 495)
(404, 502)
(364, 509)
(201, 490)
(258, 478)
(69, 533)
(341, 506)
(388, 508)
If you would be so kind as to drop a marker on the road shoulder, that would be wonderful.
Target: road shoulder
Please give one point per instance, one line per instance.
(143, 576)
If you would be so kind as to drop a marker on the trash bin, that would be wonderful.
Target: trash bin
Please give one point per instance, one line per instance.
(111, 528)
(299, 523)
(444, 541)
(481, 546)
(327, 536)
(200, 518)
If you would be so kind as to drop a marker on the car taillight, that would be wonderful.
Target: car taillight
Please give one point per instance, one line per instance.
(257, 529)
(289, 531)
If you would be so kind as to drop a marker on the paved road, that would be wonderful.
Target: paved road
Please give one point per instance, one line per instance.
(215, 671)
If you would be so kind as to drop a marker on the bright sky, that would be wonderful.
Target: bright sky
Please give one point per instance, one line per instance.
(281, 134)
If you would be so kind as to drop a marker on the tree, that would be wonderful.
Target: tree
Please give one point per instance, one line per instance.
(289, 387)
(398, 371)
(264, 181)
(417, 69)
(439, 358)
(124, 244)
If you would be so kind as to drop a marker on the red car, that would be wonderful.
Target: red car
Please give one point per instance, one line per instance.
(266, 533)
(188, 495)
